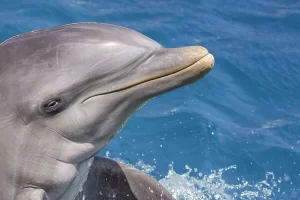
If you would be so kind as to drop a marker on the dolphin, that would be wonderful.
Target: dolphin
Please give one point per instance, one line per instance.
(108, 179)
(65, 92)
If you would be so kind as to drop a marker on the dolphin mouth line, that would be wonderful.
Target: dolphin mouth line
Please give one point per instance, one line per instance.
(146, 80)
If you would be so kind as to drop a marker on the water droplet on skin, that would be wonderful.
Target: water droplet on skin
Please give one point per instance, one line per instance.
(151, 190)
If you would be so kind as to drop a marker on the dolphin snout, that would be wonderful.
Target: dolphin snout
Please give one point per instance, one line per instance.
(196, 55)
(172, 60)
(192, 53)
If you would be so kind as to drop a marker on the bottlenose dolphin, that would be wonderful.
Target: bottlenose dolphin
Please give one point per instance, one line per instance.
(65, 92)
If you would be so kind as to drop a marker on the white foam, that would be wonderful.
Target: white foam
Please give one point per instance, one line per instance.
(213, 185)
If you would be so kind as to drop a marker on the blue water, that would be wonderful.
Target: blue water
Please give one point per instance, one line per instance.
(244, 115)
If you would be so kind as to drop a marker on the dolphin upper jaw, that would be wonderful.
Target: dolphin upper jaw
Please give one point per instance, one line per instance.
(186, 64)
(161, 65)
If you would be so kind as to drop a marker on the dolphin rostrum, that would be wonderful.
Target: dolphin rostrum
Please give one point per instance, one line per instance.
(65, 92)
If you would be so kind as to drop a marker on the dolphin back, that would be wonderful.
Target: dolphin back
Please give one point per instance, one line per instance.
(108, 179)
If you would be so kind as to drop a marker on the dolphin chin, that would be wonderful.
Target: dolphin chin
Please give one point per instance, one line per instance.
(66, 92)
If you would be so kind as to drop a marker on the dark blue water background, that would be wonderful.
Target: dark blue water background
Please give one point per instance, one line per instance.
(245, 112)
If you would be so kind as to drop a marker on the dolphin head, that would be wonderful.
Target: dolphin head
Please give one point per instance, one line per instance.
(66, 91)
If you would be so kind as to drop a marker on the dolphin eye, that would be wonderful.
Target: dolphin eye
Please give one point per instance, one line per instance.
(53, 106)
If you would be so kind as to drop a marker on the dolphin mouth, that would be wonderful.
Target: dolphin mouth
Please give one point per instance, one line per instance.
(204, 64)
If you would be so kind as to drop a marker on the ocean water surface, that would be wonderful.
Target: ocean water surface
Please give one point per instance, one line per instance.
(235, 134)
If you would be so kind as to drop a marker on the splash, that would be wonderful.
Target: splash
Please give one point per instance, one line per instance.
(144, 167)
(213, 185)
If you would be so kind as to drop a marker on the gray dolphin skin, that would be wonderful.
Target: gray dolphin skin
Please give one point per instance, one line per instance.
(65, 93)
(109, 179)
